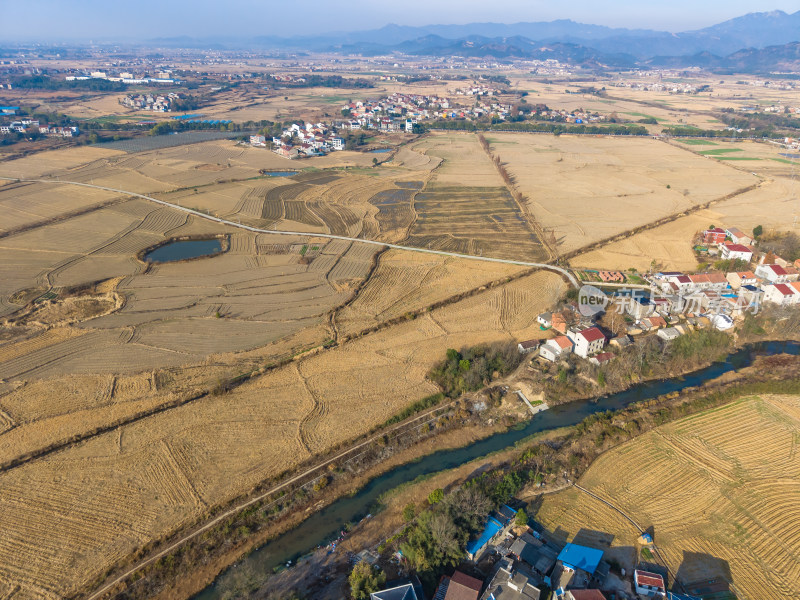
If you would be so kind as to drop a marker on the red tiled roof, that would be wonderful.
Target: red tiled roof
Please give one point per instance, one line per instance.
(592, 334)
(715, 230)
(777, 269)
(646, 578)
(784, 289)
(463, 587)
(717, 278)
(737, 248)
(604, 357)
(683, 279)
(587, 595)
(699, 278)
(563, 341)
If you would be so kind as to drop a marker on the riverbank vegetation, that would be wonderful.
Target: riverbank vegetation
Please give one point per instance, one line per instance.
(649, 358)
(474, 368)
(429, 543)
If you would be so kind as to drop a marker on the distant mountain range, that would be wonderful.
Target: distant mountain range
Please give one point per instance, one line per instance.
(756, 41)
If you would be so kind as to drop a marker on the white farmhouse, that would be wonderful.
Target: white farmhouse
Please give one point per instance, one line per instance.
(587, 341)
(553, 349)
(736, 252)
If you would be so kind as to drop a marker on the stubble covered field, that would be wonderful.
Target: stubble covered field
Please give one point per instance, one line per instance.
(590, 188)
(143, 480)
(721, 490)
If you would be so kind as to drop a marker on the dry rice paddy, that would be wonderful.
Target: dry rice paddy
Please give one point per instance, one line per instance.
(588, 189)
(719, 488)
(64, 526)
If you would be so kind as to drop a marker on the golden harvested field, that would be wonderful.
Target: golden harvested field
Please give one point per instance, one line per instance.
(405, 281)
(68, 516)
(621, 182)
(464, 161)
(721, 487)
(773, 205)
(54, 161)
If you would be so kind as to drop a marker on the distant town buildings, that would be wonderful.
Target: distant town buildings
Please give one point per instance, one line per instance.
(298, 141)
(156, 103)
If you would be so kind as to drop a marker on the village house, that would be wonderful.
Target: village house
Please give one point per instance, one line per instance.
(738, 279)
(545, 320)
(587, 341)
(772, 273)
(714, 236)
(401, 589)
(601, 359)
(652, 323)
(649, 584)
(554, 348)
(459, 586)
(737, 237)
(258, 140)
(497, 525)
(781, 294)
(558, 321)
(736, 252)
(577, 566)
(622, 341)
(528, 346)
(512, 582)
(669, 333)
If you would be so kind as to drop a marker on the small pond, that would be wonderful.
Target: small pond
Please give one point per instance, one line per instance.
(183, 249)
(280, 173)
(381, 151)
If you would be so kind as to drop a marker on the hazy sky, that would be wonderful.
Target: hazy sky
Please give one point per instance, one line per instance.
(144, 19)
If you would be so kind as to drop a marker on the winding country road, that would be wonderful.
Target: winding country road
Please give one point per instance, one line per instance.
(560, 270)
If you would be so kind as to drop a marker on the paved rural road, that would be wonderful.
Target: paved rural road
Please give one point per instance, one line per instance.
(565, 272)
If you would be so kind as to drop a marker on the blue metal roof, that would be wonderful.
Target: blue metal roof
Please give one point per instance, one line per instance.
(491, 529)
(581, 557)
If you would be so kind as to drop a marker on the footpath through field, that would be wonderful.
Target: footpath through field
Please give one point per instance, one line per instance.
(560, 270)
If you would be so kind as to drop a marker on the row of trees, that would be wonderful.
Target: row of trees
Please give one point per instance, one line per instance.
(684, 131)
(538, 127)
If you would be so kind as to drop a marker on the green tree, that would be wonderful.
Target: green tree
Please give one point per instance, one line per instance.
(521, 520)
(436, 496)
(365, 580)
(757, 231)
(409, 512)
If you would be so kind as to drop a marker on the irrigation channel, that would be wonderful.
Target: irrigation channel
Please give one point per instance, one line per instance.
(326, 524)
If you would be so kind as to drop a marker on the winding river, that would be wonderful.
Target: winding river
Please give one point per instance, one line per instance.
(326, 524)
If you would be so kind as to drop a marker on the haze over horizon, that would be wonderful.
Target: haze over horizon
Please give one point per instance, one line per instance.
(99, 20)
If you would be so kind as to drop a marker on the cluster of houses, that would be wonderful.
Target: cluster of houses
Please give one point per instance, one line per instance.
(577, 335)
(400, 112)
(775, 85)
(476, 90)
(659, 86)
(300, 141)
(414, 105)
(156, 103)
(675, 303)
(525, 562)
(573, 116)
(164, 76)
(28, 126)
